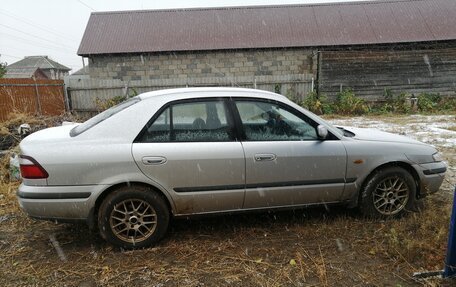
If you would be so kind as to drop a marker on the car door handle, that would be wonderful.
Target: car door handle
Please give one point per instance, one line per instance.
(153, 160)
(265, 157)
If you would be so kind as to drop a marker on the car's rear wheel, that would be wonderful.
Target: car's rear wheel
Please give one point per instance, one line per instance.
(389, 192)
(133, 217)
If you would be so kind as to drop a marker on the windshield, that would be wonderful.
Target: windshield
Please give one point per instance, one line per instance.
(103, 116)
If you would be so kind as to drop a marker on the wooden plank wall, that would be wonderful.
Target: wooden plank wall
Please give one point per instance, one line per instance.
(34, 97)
(82, 93)
(370, 72)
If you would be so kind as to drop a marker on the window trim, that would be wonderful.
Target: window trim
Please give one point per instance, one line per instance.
(300, 115)
(229, 118)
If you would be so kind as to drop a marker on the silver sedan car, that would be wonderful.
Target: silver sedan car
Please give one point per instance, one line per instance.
(183, 152)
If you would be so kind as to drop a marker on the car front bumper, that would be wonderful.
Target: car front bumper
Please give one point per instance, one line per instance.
(60, 203)
(431, 176)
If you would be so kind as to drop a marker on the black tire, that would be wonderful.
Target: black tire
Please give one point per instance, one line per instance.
(133, 217)
(388, 193)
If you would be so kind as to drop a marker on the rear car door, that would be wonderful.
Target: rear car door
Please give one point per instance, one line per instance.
(286, 163)
(189, 148)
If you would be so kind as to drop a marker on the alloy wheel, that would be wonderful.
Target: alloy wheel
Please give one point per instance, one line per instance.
(133, 220)
(391, 195)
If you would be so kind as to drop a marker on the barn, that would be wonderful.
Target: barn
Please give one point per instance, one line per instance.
(370, 47)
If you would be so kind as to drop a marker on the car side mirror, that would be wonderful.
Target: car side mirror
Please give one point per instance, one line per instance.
(322, 132)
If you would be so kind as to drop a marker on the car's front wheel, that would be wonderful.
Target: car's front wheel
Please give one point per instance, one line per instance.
(133, 217)
(389, 192)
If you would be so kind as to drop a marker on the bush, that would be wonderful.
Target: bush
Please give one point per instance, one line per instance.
(395, 104)
(317, 104)
(389, 101)
(428, 102)
(347, 103)
(448, 104)
(401, 104)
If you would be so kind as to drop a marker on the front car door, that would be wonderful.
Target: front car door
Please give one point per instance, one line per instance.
(189, 148)
(286, 163)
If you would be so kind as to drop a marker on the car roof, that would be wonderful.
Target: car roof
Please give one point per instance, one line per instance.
(187, 93)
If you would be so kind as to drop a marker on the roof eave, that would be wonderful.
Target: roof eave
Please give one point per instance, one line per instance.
(321, 46)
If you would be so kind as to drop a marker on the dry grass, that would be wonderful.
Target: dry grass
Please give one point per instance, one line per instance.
(14, 120)
(327, 246)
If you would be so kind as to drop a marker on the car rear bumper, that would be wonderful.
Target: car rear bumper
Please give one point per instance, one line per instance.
(60, 203)
(431, 176)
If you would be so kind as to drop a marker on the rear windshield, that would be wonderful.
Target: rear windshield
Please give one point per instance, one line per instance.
(103, 116)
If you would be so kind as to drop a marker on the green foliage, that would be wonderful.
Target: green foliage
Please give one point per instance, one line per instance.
(132, 93)
(448, 104)
(104, 104)
(347, 103)
(388, 106)
(2, 69)
(397, 104)
(401, 103)
(428, 102)
(388, 95)
(278, 88)
(317, 104)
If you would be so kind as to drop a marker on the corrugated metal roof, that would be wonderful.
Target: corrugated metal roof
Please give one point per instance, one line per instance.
(42, 62)
(349, 23)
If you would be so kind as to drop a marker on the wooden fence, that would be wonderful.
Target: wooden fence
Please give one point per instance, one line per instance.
(34, 97)
(83, 93)
(370, 72)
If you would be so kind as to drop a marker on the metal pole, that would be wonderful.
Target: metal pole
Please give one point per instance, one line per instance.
(450, 262)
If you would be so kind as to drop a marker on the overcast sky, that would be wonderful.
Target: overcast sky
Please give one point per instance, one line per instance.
(55, 27)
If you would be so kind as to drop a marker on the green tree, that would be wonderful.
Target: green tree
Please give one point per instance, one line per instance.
(2, 69)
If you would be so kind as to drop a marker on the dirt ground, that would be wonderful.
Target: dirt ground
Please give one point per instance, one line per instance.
(319, 246)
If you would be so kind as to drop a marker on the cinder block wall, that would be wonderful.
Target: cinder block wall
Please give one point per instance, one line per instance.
(243, 63)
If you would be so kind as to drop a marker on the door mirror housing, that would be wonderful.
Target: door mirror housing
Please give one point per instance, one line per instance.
(322, 132)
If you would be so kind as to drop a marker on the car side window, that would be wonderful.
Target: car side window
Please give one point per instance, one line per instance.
(268, 121)
(203, 121)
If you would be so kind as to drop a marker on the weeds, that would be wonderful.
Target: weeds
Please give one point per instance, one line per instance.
(347, 103)
(405, 237)
(104, 104)
(428, 102)
(107, 103)
(448, 104)
(317, 104)
(400, 104)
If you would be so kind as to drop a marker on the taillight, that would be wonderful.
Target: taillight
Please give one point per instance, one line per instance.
(31, 169)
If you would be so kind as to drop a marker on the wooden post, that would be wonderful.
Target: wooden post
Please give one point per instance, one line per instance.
(38, 101)
(66, 98)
